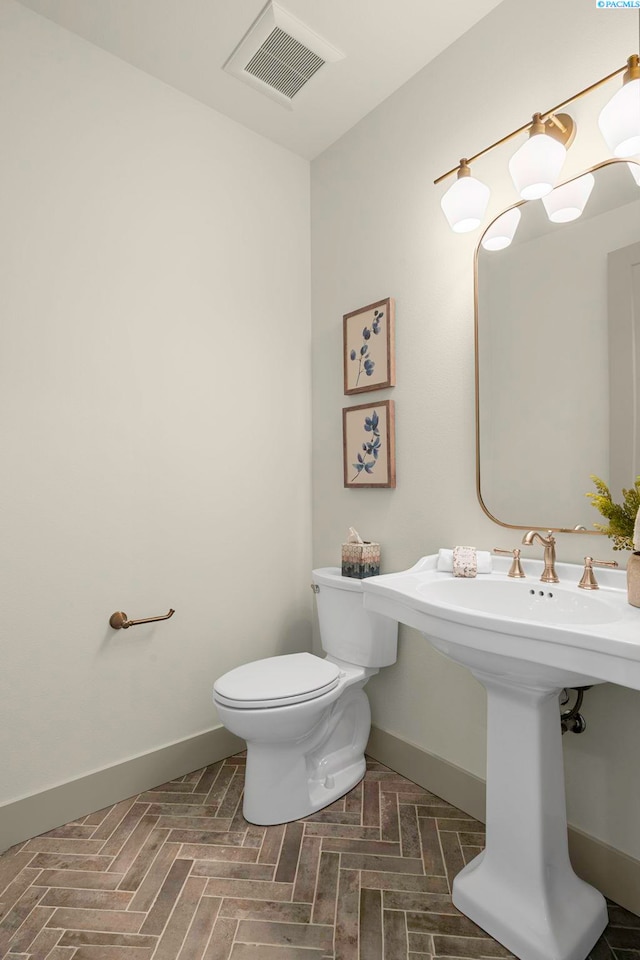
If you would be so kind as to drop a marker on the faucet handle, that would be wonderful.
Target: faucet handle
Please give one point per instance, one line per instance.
(589, 581)
(515, 570)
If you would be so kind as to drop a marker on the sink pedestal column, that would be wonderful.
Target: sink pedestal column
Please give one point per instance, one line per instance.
(522, 889)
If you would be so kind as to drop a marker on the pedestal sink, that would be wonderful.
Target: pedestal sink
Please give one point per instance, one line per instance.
(523, 640)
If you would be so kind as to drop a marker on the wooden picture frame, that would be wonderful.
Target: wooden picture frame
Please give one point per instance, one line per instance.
(368, 445)
(368, 338)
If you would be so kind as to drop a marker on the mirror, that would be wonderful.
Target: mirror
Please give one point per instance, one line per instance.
(558, 358)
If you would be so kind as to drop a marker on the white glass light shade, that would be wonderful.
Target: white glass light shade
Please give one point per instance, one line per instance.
(635, 171)
(619, 121)
(464, 204)
(501, 232)
(535, 167)
(567, 202)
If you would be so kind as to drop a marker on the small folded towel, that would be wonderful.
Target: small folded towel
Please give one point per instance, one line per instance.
(483, 561)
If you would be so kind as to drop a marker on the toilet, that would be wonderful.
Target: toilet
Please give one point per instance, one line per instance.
(306, 719)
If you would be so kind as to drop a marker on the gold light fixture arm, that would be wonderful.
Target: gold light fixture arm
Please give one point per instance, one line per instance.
(631, 70)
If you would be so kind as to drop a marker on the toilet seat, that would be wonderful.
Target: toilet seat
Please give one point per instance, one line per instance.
(276, 681)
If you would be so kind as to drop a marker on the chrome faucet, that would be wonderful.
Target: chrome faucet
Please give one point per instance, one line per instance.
(549, 543)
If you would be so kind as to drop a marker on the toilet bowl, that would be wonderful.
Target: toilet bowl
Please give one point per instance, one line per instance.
(306, 719)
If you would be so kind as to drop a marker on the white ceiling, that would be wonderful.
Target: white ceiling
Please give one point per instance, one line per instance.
(186, 42)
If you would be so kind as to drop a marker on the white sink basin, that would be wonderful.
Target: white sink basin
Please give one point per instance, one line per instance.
(567, 636)
(523, 640)
(516, 600)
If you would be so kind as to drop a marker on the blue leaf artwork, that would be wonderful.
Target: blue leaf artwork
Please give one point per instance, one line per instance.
(368, 445)
(365, 364)
(368, 353)
(371, 448)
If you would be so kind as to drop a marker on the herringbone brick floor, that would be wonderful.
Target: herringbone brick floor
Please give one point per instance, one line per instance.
(176, 873)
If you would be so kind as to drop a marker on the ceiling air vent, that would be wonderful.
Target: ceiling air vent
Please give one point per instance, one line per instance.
(279, 55)
(284, 63)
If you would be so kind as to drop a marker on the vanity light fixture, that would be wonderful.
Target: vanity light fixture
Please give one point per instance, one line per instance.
(502, 231)
(536, 165)
(465, 202)
(619, 120)
(567, 202)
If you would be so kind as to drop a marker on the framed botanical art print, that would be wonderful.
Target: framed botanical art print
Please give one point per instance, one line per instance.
(368, 445)
(369, 348)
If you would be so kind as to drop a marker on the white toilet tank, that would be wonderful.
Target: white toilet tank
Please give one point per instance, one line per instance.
(347, 630)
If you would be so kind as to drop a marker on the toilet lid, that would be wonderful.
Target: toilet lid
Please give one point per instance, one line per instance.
(276, 681)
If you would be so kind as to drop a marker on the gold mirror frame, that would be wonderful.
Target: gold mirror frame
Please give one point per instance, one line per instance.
(502, 523)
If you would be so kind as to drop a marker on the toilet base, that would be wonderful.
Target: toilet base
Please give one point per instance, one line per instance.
(322, 794)
(318, 797)
(291, 780)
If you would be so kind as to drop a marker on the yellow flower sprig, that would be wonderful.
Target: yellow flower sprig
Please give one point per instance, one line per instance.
(622, 517)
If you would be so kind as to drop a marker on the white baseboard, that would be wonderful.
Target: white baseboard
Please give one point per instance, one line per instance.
(30, 816)
(612, 872)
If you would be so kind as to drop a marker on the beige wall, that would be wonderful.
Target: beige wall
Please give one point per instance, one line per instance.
(154, 369)
(377, 230)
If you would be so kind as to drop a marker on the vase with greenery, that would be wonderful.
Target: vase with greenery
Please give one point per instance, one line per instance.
(623, 528)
